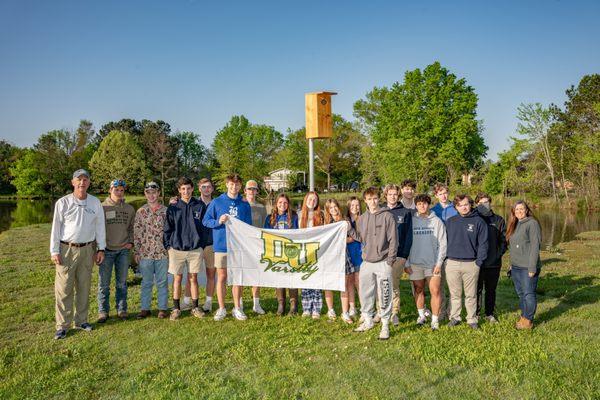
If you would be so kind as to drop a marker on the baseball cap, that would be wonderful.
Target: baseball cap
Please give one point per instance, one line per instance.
(251, 184)
(80, 172)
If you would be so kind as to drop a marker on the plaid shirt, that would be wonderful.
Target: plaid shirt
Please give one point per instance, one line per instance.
(148, 232)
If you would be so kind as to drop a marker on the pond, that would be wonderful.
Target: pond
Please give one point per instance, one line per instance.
(557, 225)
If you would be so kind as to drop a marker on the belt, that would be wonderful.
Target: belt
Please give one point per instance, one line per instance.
(76, 244)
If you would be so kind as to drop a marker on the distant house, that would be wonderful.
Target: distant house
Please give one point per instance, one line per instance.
(280, 178)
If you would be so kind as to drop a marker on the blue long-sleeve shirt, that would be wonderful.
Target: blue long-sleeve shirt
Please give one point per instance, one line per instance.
(183, 228)
(444, 213)
(281, 222)
(236, 208)
(467, 238)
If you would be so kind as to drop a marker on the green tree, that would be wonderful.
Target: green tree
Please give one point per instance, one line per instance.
(119, 157)
(230, 150)
(8, 156)
(262, 143)
(193, 157)
(425, 128)
(28, 179)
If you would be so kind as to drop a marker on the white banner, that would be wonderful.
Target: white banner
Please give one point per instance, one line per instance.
(312, 258)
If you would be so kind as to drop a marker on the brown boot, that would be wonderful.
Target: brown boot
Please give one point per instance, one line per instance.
(281, 308)
(526, 324)
(143, 314)
(293, 307)
(162, 314)
(519, 323)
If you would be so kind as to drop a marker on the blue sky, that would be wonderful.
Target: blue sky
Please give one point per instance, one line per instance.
(195, 64)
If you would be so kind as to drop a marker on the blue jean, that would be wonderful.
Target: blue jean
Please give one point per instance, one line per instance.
(525, 288)
(120, 260)
(154, 271)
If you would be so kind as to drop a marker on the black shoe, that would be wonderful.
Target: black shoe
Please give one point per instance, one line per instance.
(102, 318)
(60, 334)
(85, 326)
(453, 322)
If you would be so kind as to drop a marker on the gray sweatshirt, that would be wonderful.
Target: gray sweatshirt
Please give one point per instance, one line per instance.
(378, 234)
(429, 241)
(525, 244)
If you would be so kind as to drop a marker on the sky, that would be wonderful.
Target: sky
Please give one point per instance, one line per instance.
(195, 64)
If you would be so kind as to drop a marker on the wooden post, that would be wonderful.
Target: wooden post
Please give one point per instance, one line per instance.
(319, 125)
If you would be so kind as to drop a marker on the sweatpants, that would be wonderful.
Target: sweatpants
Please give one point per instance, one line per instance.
(375, 280)
(462, 274)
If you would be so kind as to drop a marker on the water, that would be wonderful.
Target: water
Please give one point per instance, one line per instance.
(557, 225)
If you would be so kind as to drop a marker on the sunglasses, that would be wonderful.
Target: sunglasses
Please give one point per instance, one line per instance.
(151, 186)
(118, 182)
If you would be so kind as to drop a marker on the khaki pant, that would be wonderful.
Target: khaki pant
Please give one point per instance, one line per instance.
(461, 274)
(73, 275)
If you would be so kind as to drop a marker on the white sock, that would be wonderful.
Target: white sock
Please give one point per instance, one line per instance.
(352, 306)
(256, 301)
(421, 312)
(208, 300)
(187, 300)
(434, 318)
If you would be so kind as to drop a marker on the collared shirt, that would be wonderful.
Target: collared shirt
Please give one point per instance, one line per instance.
(148, 232)
(77, 221)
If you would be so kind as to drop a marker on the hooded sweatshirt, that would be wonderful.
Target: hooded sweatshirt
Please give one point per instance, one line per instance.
(429, 241)
(444, 213)
(525, 244)
(496, 237)
(281, 222)
(467, 238)
(404, 221)
(236, 208)
(119, 217)
(378, 234)
(183, 226)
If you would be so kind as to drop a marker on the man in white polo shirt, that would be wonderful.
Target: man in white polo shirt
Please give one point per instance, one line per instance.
(78, 239)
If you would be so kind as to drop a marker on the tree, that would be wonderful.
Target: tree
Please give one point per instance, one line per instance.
(124, 125)
(535, 122)
(8, 156)
(28, 179)
(119, 157)
(229, 147)
(262, 143)
(424, 128)
(193, 158)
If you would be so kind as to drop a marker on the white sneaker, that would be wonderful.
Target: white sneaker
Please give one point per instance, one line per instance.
(421, 320)
(384, 334)
(435, 326)
(361, 319)
(352, 312)
(365, 326)
(186, 305)
(306, 314)
(427, 312)
(377, 318)
(207, 307)
(395, 320)
(316, 315)
(346, 318)
(220, 314)
(331, 315)
(238, 314)
(258, 309)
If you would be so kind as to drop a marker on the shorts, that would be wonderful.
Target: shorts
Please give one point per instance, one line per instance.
(178, 259)
(220, 260)
(420, 272)
(209, 257)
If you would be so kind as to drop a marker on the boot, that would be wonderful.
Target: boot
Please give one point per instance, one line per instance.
(384, 334)
(525, 324)
(293, 306)
(280, 301)
(519, 323)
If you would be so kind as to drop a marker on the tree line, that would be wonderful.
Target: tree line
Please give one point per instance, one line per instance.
(424, 128)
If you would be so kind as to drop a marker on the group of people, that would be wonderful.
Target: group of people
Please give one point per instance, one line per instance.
(460, 242)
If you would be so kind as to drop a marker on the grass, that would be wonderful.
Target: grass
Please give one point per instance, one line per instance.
(269, 357)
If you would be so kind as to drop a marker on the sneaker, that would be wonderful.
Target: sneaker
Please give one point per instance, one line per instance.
(346, 318)
(474, 326)
(427, 313)
(306, 314)
(143, 314)
(377, 318)
(453, 322)
(384, 334)
(365, 326)
(85, 327)
(258, 309)
(421, 320)
(122, 315)
(60, 334)
(316, 315)
(331, 315)
(220, 314)
(175, 313)
(352, 312)
(162, 314)
(395, 320)
(238, 314)
(102, 318)
(435, 325)
(491, 319)
(207, 308)
(196, 312)
(361, 319)
(186, 305)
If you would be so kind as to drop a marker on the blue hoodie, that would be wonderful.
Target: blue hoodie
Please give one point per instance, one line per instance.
(237, 208)
(281, 222)
(467, 238)
(183, 228)
(444, 213)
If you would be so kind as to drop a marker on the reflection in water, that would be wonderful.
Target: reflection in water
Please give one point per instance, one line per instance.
(557, 225)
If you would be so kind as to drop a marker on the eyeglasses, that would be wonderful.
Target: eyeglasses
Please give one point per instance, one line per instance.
(151, 186)
(205, 186)
(118, 182)
(252, 188)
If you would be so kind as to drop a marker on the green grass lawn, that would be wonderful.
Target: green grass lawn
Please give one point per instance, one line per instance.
(280, 358)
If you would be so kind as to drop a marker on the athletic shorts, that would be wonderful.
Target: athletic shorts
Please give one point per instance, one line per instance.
(420, 272)
(178, 259)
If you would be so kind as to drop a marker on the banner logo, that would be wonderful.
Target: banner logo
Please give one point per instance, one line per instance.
(284, 255)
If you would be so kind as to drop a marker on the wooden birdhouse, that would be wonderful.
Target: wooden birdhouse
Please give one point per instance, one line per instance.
(319, 120)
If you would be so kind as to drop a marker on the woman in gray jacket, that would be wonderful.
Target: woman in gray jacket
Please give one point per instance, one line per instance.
(524, 237)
